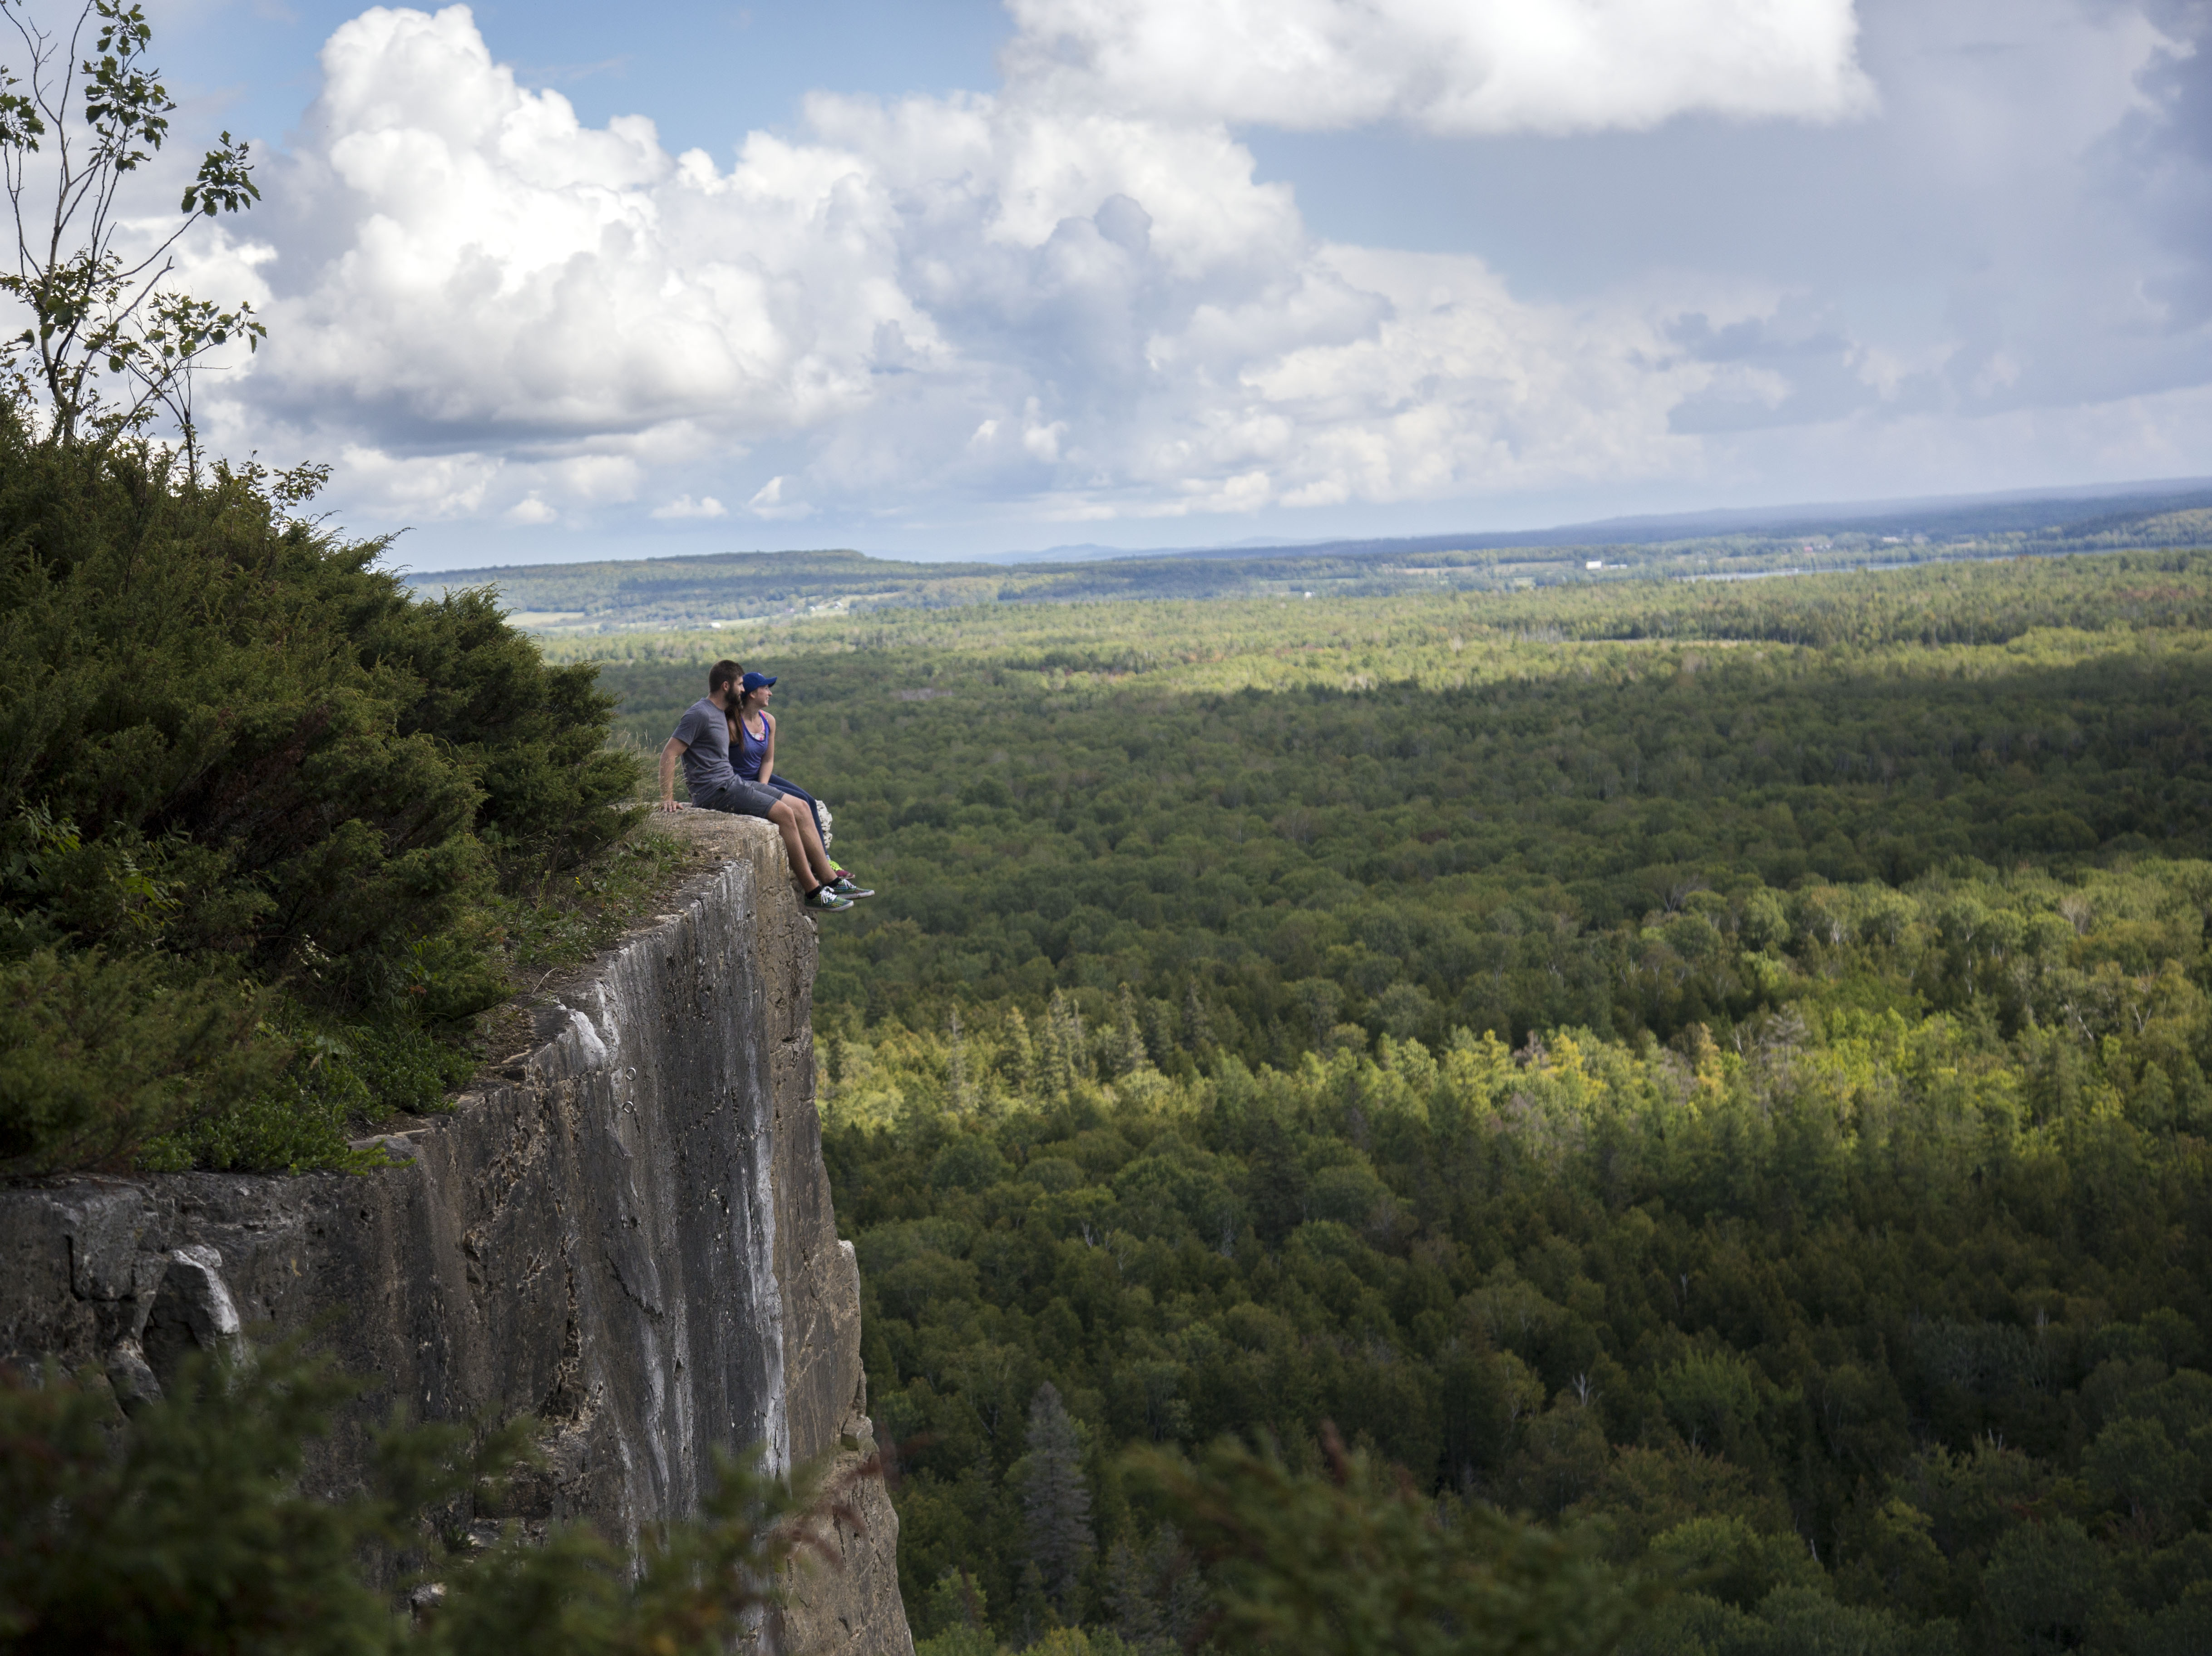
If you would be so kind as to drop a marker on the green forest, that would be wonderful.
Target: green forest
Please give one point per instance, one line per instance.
(1411, 816)
(1719, 1070)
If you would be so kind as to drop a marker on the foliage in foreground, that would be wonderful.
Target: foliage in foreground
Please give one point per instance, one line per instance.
(189, 1531)
(258, 813)
(1361, 1560)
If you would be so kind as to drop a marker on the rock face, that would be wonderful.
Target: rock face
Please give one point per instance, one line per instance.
(630, 1237)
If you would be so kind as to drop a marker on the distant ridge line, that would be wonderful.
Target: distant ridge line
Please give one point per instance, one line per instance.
(1936, 516)
(1995, 513)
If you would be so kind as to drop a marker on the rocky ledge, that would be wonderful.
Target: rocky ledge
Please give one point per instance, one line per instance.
(626, 1234)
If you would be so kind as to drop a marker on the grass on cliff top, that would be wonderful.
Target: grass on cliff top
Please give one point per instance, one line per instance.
(576, 914)
(367, 1077)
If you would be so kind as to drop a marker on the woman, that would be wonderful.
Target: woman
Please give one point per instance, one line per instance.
(752, 755)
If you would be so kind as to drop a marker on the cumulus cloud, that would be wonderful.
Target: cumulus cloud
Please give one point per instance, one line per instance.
(768, 502)
(1451, 66)
(507, 311)
(1073, 299)
(467, 257)
(417, 488)
(684, 506)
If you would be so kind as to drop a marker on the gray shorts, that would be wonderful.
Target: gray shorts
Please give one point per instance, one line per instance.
(740, 798)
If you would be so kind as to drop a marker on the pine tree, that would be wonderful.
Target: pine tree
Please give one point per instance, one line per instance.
(1063, 1047)
(1021, 1061)
(1154, 1591)
(1129, 1056)
(1056, 1501)
(1197, 1027)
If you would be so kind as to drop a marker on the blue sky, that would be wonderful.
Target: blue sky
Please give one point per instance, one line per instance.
(554, 281)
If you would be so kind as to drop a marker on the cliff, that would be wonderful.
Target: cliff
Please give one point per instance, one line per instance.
(627, 1235)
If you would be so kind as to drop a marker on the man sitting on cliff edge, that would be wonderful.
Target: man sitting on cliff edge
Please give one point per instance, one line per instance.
(703, 740)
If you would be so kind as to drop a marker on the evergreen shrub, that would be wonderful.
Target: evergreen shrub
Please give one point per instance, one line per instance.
(257, 808)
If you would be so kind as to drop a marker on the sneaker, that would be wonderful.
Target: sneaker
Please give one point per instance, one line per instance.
(846, 886)
(824, 896)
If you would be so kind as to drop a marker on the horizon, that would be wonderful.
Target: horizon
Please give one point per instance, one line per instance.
(1792, 516)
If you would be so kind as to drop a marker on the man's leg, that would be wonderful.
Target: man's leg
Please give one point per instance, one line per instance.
(793, 790)
(743, 798)
(808, 866)
(839, 873)
(817, 854)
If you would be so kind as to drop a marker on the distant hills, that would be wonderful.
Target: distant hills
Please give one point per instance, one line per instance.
(751, 587)
(1945, 515)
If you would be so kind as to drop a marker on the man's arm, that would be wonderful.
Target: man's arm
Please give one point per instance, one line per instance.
(668, 753)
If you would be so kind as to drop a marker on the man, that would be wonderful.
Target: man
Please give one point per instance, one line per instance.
(702, 742)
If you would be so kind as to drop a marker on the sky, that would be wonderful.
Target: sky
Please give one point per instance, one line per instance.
(552, 281)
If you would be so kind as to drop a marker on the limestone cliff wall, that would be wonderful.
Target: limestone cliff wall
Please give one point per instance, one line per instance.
(629, 1235)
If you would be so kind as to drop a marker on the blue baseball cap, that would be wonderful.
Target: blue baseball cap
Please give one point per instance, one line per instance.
(757, 682)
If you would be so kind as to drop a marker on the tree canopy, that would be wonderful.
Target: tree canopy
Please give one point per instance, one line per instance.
(1717, 1073)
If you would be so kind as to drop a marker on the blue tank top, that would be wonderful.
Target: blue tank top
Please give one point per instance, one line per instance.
(745, 758)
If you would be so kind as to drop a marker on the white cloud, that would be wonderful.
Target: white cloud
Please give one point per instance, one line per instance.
(1073, 300)
(684, 506)
(1040, 437)
(468, 269)
(1027, 296)
(465, 257)
(1133, 326)
(594, 477)
(413, 489)
(1453, 66)
(768, 502)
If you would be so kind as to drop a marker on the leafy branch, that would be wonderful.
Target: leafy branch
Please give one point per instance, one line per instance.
(110, 341)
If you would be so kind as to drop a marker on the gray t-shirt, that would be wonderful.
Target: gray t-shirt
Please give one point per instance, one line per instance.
(705, 731)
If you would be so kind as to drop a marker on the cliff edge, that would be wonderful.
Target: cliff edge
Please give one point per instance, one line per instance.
(628, 1235)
